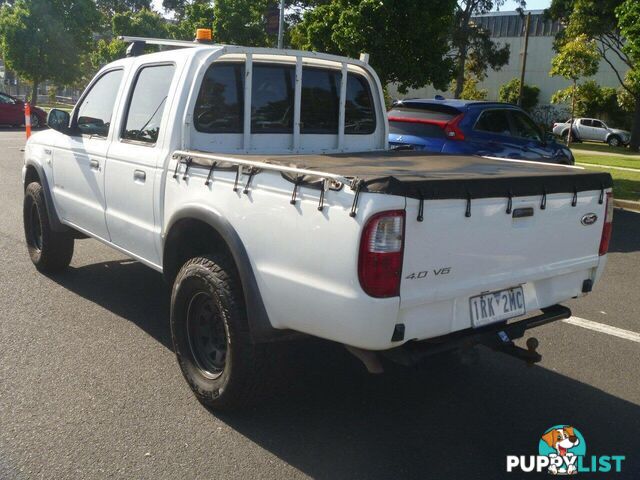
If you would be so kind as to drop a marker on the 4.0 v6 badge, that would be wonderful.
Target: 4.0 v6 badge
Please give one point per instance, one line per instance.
(435, 272)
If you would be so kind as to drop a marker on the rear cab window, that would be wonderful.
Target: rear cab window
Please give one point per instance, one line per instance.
(219, 106)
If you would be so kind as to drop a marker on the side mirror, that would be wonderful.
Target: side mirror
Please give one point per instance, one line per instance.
(59, 120)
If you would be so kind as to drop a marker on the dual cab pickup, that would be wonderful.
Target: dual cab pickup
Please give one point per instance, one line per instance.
(259, 182)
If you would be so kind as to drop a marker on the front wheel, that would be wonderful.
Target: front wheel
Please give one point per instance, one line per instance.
(210, 334)
(50, 251)
(614, 141)
(35, 121)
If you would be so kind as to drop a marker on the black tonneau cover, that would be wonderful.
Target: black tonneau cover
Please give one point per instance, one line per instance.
(437, 176)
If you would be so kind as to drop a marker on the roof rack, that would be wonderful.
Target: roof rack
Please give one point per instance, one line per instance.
(137, 44)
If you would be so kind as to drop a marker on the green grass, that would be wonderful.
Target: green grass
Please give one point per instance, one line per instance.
(603, 148)
(60, 106)
(626, 162)
(626, 185)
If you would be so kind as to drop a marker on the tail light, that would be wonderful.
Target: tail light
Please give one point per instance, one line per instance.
(452, 129)
(381, 250)
(608, 225)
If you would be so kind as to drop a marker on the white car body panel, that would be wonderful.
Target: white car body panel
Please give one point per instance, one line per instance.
(305, 262)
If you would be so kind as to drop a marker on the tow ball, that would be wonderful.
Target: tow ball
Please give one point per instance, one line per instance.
(529, 355)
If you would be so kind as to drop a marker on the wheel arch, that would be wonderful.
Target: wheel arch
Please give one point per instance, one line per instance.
(35, 173)
(194, 231)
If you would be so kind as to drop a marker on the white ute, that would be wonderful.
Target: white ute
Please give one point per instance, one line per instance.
(259, 182)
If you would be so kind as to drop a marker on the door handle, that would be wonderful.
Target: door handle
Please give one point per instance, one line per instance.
(139, 176)
(94, 164)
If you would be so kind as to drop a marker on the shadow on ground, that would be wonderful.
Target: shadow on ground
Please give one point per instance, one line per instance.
(455, 417)
(626, 231)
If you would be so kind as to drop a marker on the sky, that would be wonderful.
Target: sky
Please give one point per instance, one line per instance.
(509, 5)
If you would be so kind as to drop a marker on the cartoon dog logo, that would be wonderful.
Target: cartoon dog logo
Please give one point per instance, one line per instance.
(562, 439)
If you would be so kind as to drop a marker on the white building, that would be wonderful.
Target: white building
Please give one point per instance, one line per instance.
(508, 28)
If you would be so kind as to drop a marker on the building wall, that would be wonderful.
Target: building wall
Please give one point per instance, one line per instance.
(540, 54)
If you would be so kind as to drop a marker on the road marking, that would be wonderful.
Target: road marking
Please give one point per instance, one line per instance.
(595, 165)
(602, 328)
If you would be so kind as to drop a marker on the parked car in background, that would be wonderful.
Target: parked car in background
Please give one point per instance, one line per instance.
(593, 130)
(12, 112)
(468, 127)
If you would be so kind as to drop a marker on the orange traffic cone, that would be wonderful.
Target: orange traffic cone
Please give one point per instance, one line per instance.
(27, 119)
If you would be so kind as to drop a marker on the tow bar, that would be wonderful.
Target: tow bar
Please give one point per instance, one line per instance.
(499, 337)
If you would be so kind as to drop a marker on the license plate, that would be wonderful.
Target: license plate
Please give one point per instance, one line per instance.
(497, 306)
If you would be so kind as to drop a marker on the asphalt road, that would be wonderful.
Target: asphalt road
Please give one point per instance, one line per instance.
(89, 387)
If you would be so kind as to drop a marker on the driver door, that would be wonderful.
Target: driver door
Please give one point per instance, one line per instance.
(79, 158)
(599, 131)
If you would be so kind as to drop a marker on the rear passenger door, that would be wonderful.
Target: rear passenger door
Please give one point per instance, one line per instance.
(492, 135)
(585, 129)
(135, 163)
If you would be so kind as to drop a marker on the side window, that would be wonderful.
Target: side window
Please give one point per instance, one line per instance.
(272, 95)
(220, 103)
(598, 124)
(524, 127)
(320, 101)
(359, 112)
(95, 111)
(147, 103)
(494, 121)
(586, 123)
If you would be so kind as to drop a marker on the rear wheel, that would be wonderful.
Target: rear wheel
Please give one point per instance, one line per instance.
(211, 337)
(50, 251)
(614, 141)
(35, 121)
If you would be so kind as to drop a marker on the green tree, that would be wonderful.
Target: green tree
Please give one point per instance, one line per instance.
(509, 92)
(472, 47)
(193, 16)
(591, 100)
(614, 24)
(241, 22)
(144, 23)
(407, 43)
(628, 15)
(45, 39)
(576, 58)
(111, 7)
(470, 90)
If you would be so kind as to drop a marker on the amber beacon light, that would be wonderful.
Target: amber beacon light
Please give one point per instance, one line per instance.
(203, 35)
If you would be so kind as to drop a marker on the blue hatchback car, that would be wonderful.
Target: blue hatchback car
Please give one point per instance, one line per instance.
(472, 128)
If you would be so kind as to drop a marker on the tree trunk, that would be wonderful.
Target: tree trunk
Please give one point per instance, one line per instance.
(634, 143)
(34, 93)
(573, 108)
(460, 74)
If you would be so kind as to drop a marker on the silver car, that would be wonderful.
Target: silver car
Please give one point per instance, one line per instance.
(593, 130)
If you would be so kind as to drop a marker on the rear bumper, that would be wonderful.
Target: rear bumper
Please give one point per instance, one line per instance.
(496, 336)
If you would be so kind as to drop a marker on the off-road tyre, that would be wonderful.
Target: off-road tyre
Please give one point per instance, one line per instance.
(49, 251)
(207, 289)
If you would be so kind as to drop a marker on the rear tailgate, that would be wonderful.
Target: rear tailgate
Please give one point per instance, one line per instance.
(450, 258)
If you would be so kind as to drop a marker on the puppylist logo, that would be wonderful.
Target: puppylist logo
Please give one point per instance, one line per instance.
(562, 450)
